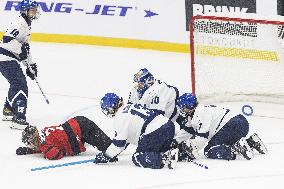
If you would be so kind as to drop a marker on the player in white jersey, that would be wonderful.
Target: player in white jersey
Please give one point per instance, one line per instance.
(220, 131)
(14, 48)
(150, 131)
(154, 94)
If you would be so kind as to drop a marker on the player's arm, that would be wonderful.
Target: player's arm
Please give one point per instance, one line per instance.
(13, 41)
(52, 152)
(201, 123)
(119, 144)
(26, 151)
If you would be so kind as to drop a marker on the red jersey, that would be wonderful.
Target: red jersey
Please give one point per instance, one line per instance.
(65, 139)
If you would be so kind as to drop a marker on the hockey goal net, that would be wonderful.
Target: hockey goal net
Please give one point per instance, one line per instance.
(235, 59)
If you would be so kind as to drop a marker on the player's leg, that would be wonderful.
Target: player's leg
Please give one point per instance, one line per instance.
(229, 141)
(154, 149)
(92, 134)
(17, 94)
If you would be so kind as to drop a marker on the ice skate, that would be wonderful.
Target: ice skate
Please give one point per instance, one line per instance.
(242, 148)
(19, 123)
(255, 143)
(170, 158)
(7, 114)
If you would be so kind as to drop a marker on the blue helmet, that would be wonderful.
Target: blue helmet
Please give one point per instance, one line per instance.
(25, 5)
(110, 103)
(144, 80)
(187, 100)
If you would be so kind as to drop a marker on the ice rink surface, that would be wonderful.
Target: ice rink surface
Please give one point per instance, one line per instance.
(75, 77)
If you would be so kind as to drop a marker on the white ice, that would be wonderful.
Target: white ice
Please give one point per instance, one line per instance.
(75, 77)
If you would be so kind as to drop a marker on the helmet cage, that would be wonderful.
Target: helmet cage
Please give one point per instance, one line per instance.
(30, 137)
(143, 80)
(28, 6)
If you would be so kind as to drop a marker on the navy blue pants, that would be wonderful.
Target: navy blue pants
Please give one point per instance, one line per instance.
(18, 91)
(150, 147)
(219, 147)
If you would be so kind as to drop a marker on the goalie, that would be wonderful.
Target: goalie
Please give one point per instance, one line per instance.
(67, 139)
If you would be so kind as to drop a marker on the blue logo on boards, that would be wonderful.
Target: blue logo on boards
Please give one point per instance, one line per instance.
(149, 13)
(97, 9)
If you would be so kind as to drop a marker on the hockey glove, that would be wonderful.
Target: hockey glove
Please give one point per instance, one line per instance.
(25, 151)
(103, 158)
(32, 71)
(25, 51)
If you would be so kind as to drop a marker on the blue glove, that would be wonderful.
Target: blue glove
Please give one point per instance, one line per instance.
(103, 158)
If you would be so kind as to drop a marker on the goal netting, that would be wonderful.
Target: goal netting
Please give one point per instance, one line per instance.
(235, 59)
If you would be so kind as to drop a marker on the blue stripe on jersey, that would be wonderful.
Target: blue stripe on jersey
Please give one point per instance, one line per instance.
(158, 111)
(204, 135)
(7, 53)
(190, 130)
(7, 39)
(119, 143)
(147, 121)
(227, 111)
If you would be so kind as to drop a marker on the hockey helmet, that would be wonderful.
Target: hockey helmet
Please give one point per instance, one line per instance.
(30, 8)
(30, 137)
(187, 102)
(110, 103)
(143, 80)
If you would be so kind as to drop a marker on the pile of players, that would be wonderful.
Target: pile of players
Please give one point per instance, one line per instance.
(165, 127)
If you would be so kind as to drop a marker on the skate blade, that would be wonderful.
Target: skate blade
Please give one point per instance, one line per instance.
(7, 118)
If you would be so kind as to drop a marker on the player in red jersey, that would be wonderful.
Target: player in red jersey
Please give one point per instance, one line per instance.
(66, 139)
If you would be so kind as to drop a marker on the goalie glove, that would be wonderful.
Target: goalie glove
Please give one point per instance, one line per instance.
(103, 158)
(25, 151)
(31, 71)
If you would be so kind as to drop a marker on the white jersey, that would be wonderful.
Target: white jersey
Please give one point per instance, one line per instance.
(205, 123)
(208, 120)
(130, 123)
(159, 96)
(19, 31)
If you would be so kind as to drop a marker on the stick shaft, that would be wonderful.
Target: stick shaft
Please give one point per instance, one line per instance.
(36, 80)
(43, 94)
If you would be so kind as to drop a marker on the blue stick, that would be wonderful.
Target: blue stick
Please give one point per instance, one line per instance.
(199, 164)
(62, 165)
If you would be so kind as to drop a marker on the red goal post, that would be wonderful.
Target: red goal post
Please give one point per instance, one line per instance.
(237, 59)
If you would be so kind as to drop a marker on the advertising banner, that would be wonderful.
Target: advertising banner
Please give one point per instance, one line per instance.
(141, 19)
(218, 7)
(159, 24)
